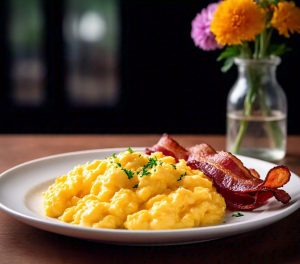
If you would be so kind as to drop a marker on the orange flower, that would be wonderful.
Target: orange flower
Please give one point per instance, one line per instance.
(236, 21)
(286, 18)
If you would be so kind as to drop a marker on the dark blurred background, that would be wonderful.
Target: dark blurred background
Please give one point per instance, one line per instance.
(116, 66)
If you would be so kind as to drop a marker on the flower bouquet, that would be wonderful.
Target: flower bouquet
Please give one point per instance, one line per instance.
(256, 107)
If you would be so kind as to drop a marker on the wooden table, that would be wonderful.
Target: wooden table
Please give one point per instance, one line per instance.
(19, 243)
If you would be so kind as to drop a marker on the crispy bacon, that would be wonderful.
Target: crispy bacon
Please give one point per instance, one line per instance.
(169, 147)
(241, 188)
(254, 173)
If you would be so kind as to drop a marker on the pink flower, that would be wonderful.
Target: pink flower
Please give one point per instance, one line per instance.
(201, 34)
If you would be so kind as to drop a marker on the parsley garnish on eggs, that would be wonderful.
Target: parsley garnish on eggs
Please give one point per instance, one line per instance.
(129, 173)
(145, 172)
(151, 163)
(181, 176)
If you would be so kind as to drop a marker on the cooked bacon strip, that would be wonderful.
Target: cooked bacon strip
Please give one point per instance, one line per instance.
(241, 188)
(203, 150)
(170, 147)
(200, 150)
(282, 196)
(236, 176)
(239, 193)
(277, 177)
(245, 201)
(228, 173)
(224, 161)
(254, 173)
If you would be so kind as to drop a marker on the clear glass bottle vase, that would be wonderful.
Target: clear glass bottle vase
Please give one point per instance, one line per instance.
(257, 111)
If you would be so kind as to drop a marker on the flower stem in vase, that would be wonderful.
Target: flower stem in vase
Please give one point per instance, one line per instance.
(273, 128)
(248, 107)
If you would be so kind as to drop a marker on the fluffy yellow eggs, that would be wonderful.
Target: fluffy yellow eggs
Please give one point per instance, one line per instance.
(133, 190)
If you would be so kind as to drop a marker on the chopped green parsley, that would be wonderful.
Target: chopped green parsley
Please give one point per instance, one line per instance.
(114, 155)
(181, 176)
(129, 173)
(145, 173)
(151, 163)
(135, 186)
(237, 214)
(174, 166)
(130, 150)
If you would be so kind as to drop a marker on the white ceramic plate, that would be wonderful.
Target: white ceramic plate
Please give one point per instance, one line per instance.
(21, 196)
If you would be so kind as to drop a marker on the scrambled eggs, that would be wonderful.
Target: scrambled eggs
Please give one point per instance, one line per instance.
(135, 191)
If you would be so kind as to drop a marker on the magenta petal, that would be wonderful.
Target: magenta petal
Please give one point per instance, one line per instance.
(201, 34)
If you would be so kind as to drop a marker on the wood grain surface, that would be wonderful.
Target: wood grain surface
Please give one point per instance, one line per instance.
(19, 243)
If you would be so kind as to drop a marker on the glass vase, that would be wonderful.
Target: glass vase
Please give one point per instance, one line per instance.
(257, 111)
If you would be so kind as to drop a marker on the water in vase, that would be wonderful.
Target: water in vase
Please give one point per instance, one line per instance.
(264, 137)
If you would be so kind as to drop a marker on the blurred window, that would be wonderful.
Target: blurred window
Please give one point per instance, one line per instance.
(91, 35)
(25, 38)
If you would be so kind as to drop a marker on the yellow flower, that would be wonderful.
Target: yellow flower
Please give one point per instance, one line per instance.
(286, 18)
(236, 21)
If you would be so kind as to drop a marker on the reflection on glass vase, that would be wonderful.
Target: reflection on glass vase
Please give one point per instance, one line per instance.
(257, 111)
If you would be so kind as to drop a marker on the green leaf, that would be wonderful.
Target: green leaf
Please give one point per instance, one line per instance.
(228, 56)
(273, 2)
(228, 63)
(267, 3)
(263, 4)
(229, 52)
(278, 49)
